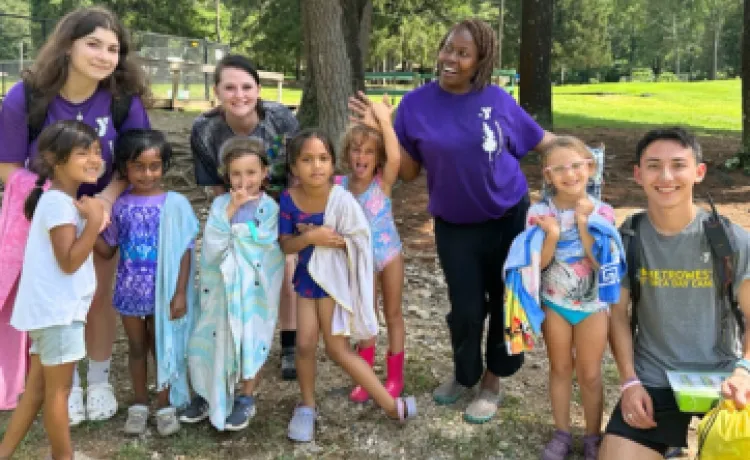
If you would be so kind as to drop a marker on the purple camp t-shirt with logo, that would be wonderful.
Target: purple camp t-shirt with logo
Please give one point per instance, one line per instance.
(95, 112)
(470, 146)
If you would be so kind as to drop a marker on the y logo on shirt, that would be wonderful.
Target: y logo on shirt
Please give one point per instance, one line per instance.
(490, 137)
(101, 123)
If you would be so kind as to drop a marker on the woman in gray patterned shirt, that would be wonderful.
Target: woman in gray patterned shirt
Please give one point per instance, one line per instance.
(242, 112)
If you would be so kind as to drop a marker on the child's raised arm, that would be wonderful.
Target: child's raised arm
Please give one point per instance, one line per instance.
(71, 251)
(383, 111)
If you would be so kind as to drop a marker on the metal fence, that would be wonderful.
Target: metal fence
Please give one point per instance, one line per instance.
(22, 36)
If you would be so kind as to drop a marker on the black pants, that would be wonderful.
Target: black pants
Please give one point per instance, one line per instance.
(472, 257)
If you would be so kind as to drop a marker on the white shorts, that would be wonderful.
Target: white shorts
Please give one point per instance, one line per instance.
(59, 344)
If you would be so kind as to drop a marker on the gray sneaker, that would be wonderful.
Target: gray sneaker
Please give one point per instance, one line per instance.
(135, 425)
(196, 411)
(166, 421)
(242, 411)
(449, 392)
(302, 424)
(288, 367)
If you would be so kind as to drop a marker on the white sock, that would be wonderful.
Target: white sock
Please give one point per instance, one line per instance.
(98, 371)
(76, 377)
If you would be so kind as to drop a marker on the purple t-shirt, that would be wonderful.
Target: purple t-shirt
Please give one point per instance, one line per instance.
(95, 112)
(470, 146)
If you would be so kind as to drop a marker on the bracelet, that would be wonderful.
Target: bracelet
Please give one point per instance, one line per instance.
(631, 382)
(743, 364)
(104, 198)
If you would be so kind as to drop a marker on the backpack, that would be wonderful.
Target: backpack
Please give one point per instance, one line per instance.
(119, 109)
(720, 237)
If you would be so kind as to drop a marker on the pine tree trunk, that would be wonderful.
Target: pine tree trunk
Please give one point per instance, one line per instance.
(745, 149)
(536, 48)
(500, 33)
(217, 6)
(328, 78)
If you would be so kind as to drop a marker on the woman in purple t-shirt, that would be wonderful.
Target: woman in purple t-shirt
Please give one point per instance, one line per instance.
(84, 63)
(469, 136)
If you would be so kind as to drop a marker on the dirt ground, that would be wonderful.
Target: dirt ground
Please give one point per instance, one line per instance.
(363, 432)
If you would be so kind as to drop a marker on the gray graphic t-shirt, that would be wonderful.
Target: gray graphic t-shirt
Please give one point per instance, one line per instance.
(680, 312)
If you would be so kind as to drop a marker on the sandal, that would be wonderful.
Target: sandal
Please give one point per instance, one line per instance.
(559, 447)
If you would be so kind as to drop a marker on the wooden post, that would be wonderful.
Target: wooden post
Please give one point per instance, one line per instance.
(279, 85)
(175, 86)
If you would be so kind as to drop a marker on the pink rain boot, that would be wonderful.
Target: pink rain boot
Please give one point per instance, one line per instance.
(359, 394)
(394, 383)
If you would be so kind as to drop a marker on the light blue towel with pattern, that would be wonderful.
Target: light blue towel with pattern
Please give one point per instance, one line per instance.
(242, 268)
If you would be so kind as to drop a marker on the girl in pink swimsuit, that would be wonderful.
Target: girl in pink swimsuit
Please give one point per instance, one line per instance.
(372, 153)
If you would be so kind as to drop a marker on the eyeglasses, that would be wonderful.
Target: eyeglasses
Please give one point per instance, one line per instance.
(562, 169)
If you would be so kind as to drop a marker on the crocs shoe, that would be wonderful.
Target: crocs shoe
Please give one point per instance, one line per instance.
(302, 424)
(76, 408)
(449, 392)
(135, 425)
(483, 408)
(591, 446)
(100, 402)
(166, 421)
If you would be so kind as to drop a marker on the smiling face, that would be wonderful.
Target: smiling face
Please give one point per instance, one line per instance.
(668, 173)
(457, 62)
(568, 172)
(247, 173)
(84, 166)
(144, 173)
(238, 92)
(364, 156)
(314, 165)
(96, 55)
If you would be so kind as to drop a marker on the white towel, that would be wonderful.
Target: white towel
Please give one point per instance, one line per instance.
(347, 276)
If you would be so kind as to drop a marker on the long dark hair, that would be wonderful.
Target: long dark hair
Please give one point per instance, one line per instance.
(56, 142)
(294, 148)
(49, 71)
(131, 143)
(237, 61)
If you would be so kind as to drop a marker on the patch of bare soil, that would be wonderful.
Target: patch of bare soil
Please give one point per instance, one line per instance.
(346, 430)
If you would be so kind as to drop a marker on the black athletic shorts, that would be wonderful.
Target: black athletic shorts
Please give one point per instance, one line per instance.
(671, 424)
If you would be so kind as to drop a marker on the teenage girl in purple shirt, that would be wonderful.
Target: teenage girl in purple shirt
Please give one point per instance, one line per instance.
(470, 136)
(84, 63)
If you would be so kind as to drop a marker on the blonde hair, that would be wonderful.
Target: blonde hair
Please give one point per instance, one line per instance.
(238, 147)
(356, 135)
(566, 142)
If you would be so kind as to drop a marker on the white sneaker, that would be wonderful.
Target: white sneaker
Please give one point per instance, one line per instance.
(100, 402)
(166, 421)
(135, 425)
(76, 408)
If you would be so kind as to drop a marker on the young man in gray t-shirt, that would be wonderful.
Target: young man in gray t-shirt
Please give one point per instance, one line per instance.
(679, 308)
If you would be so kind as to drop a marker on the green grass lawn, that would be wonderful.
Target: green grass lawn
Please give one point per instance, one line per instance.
(706, 105)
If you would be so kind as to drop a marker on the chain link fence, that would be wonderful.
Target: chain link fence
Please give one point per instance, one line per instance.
(21, 36)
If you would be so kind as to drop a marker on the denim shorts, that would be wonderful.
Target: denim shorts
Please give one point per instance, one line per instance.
(59, 344)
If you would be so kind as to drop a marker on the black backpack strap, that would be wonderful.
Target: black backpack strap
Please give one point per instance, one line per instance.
(629, 235)
(120, 109)
(721, 240)
(35, 124)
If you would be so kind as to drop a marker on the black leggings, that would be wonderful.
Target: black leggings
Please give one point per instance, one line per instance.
(472, 257)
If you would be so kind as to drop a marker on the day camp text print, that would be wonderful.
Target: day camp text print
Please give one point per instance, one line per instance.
(677, 278)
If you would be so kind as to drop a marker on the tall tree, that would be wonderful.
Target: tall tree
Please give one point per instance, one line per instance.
(328, 77)
(536, 49)
(745, 153)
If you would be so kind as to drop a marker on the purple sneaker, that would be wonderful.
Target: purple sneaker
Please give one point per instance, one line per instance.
(559, 447)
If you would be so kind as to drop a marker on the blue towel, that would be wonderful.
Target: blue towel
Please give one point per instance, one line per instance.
(177, 230)
(610, 255)
(522, 275)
